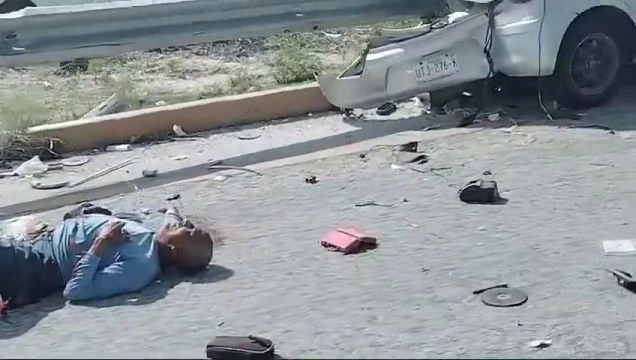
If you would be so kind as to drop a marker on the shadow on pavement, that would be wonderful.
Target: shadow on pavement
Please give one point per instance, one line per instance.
(20, 320)
(521, 107)
(159, 290)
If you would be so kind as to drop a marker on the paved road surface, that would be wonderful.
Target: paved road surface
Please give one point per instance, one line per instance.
(568, 190)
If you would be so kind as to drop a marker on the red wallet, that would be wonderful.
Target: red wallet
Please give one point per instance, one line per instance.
(347, 240)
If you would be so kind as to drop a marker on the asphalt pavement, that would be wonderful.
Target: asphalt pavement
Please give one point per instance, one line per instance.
(568, 189)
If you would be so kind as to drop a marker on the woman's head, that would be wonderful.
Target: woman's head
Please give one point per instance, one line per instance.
(185, 246)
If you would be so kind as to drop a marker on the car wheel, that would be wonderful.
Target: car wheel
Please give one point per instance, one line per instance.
(9, 6)
(588, 63)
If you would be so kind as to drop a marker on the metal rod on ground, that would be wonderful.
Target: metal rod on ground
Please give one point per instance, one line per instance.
(100, 173)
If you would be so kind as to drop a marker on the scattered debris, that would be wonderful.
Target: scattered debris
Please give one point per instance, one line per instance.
(424, 269)
(107, 107)
(386, 109)
(31, 167)
(119, 148)
(54, 166)
(6, 174)
(311, 180)
(432, 127)
(220, 178)
(48, 186)
(479, 291)
(248, 135)
(409, 147)
(351, 114)
(411, 158)
(330, 35)
(75, 161)
(504, 297)
(178, 130)
(150, 173)
(466, 118)
(624, 279)
(220, 323)
(180, 157)
(482, 191)
(594, 126)
(540, 344)
(145, 211)
(101, 173)
(173, 197)
(348, 241)
(230, 167)
(405, 200)
(372, 203)
(619, 247)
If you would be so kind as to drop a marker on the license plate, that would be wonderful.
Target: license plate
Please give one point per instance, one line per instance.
(436, 67)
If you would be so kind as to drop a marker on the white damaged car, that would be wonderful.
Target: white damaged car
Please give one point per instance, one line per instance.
(580, 45)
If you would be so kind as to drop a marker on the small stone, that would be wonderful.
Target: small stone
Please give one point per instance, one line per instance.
(540, 344)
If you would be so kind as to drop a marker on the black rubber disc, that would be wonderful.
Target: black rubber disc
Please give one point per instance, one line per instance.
(504, 297)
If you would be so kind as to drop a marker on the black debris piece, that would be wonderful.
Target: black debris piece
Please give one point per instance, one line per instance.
(386, 109)
(174, 197)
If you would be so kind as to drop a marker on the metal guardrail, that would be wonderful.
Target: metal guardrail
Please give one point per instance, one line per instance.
(56, 33)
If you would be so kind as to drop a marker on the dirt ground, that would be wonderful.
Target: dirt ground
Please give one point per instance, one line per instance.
(44, 94)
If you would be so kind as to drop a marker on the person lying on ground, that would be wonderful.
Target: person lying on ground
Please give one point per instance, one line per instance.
(95, 256)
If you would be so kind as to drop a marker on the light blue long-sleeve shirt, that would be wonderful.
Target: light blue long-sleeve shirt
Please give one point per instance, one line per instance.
(123, 268)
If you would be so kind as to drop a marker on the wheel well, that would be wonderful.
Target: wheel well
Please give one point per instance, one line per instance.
(618, 19)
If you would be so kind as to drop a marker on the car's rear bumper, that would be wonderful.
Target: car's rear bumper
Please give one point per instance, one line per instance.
(389, 71)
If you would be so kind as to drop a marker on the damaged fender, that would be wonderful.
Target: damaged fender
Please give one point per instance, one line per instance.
(409, 62)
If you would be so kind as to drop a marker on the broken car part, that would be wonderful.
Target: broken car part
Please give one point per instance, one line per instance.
(386, 109)
(75, 161)
(504, 297)
(48, 186)
(623, 278)
(402, 67)
(150, 173)
(101, 173)
(577, 45)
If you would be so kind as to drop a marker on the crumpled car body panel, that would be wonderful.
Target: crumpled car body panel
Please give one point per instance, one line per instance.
(408, 63)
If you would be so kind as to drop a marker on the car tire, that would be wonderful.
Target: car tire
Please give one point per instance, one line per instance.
(588, 64)
(9, 6)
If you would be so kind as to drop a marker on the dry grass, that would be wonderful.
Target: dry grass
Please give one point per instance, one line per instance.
(44, 94)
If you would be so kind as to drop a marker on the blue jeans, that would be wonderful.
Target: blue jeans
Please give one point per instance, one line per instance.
(28, 271)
